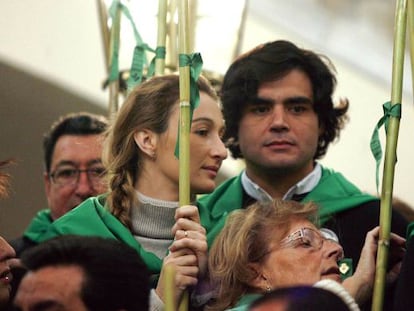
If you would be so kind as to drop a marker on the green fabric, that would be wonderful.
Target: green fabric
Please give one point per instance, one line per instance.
(244, 302)
(333, 194)
(139, 58)
(390, 110)
(39, 225)
(160, 52)
(91, 218)
(410, 231)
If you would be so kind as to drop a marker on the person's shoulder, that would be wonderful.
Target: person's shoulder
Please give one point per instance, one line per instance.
(368, 213)
(232, 184)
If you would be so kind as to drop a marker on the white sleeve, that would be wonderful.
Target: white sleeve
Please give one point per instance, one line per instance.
(155, 302)
(340, 291)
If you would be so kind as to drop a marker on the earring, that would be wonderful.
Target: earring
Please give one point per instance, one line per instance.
(154, 156)
(268, 289)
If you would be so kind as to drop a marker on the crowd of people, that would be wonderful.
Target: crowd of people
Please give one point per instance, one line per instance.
(285, 233)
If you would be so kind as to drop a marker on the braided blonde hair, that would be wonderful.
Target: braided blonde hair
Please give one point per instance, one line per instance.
(148, 106)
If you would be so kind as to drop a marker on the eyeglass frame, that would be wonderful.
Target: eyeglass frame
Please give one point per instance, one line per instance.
(324, 233)
(92, 180)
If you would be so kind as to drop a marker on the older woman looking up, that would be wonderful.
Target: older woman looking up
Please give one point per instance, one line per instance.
(274, 245)
(141, 208)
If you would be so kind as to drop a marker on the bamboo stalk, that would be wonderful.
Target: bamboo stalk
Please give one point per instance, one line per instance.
(184, 155)
(410, 16)
(172, 59)
(103, 22)
(114, 84)
(390, 156)
(108, 39)
(169, 288)
(161, 36)
(184, 126)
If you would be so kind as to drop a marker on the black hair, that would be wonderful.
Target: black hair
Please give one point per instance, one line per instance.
(82, 123)
(273, 61)
(115, 277)
(300, 298)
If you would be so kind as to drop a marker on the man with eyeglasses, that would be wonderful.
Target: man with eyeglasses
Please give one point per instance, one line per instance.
(73, 170)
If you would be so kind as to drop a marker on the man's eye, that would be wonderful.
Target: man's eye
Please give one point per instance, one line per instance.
(66, 173)
(260, 109)
(298, 108)
(97, 171)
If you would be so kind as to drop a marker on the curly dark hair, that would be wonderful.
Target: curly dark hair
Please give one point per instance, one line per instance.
(273, 61)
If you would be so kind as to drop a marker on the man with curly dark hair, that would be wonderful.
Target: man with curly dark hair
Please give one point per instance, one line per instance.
(280, 118)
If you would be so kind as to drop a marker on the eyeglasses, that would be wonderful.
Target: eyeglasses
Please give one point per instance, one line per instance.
(309, 238)
(70, 176)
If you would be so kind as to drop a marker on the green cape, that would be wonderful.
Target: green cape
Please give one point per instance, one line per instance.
(244, 302)
(410, 230)
(91, 218)
(39, 225)
(333, 194)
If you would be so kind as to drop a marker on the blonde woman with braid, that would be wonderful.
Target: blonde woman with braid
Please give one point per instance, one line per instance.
(141, 208)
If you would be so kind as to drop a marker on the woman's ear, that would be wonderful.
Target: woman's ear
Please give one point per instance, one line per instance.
(146, 141)
(259, 280)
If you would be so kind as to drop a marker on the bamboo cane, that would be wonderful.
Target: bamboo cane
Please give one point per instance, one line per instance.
(103, 22)
(169, 288)
(161, 37)
(184, 126)
(171, 58)
(410, 16)
(114, 84)
(184, 71)
(108, 39)
(390, 156)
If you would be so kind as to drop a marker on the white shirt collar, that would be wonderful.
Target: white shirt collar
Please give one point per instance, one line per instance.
(303, 186)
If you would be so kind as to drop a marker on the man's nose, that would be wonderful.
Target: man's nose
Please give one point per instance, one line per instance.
(278, 118)
(84, 185)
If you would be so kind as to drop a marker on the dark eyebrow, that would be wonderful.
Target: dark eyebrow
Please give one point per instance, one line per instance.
(298, 100)
(94, 161)
(71, 163)
(260, 101)
(63, 163)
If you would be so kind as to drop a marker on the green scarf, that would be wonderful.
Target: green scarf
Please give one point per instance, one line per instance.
(333, 194)
(410, 231)
(91, 218)
(244, 302)
(39, 225)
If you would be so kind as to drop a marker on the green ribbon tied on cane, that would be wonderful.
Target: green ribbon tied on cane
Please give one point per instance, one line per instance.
(139, 58)
(195, 62)
(390, 110)
(160, 52)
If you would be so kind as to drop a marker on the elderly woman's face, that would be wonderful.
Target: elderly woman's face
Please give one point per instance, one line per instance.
(302, 257)
(6, 252)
